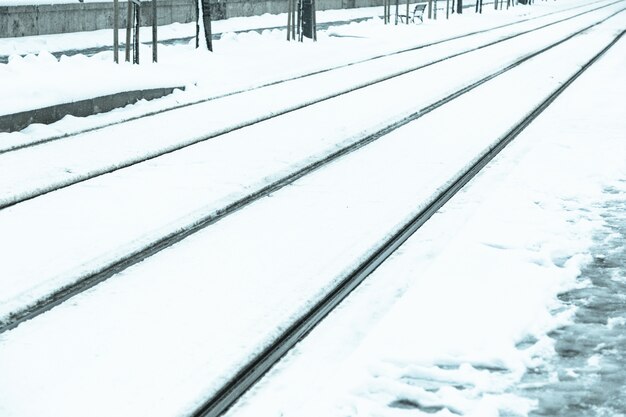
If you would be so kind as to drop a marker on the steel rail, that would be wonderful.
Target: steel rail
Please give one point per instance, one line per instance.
(309, 74)
(256, 368)
(11, 201)
(88, 281)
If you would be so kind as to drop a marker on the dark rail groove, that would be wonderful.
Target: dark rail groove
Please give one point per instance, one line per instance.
(257, 367)
(135, 257)
(125, 164)
(309, 74)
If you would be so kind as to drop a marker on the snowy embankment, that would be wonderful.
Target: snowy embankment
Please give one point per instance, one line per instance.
(238, 58)
(483, 278)
(201, 307)
(132, 211)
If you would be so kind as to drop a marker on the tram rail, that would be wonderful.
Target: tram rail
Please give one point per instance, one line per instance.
(156, 246)
(249, 374)
(41, 141)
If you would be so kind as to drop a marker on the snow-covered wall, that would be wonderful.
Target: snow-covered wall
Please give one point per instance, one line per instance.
(43, 17)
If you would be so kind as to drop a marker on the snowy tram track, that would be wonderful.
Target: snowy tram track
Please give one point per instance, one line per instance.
(105, 267)
(53, 166)
(11, 147)
(8, 147)
(247, 376)
(169, 316)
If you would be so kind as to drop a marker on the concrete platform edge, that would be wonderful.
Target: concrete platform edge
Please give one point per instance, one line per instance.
(17, 121)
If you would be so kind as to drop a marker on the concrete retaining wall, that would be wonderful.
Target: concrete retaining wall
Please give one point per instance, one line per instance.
(18, 21)
(82, 108)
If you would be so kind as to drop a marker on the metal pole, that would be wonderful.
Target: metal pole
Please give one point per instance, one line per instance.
(288, 20)
(116, 28)
(407, 12)
(447, 9)
(314, 20)
(136, 32)
(430, 9)
(385, 12)
(397, 11)
(129, 25)
(197, 7)
(206, 20)
(293, 19)
(435, 9)
(299, 16)
(154, 30)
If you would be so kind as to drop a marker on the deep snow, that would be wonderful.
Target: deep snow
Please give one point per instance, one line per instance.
(490, 324)
(422, 354)
(132, 212)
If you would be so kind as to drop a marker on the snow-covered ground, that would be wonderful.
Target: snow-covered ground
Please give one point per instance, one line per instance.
(483, 278)
(132, 214)
(450, 325)
(239, 60)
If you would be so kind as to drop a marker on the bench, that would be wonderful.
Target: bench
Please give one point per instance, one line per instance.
(418, 13)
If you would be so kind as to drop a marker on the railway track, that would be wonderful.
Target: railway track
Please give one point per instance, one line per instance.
(48, 139)
(259, 365)
(157, 245)
(235, 386)
(55, 184)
